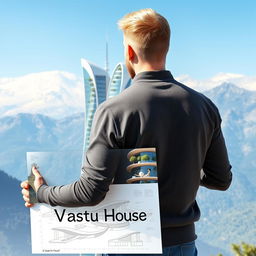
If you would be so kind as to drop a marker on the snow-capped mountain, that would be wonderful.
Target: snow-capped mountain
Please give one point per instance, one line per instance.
(238, 110)
(59, 94)
(228, 96)
(242, 81)
(53, 93)
(228, 217)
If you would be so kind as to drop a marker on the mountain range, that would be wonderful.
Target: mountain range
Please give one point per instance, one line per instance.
(230, 217)
(52, 93)
(226, 217)
(35, 132)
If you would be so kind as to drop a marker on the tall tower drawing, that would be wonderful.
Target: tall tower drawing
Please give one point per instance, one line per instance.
(95, 85)
(120, 80)
(143, 167)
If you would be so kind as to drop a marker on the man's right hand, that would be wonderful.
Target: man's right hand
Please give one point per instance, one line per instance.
(25, 193)
(39, 180)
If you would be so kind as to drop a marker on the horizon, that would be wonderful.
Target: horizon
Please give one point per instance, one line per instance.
(40, 93)
(240, 80)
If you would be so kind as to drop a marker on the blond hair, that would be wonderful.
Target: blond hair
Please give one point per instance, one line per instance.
(149, 30)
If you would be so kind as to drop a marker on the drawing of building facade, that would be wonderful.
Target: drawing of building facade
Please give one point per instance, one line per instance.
(130, 240)
(143, 167)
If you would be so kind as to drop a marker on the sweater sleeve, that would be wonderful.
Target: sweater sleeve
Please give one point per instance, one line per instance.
(216, 173)
(98, 170)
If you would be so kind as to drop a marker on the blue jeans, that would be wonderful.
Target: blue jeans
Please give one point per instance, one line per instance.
(186, 249)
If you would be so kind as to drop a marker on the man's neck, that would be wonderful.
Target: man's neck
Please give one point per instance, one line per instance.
(149, 67)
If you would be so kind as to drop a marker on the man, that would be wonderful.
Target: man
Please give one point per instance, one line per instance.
(155, 111)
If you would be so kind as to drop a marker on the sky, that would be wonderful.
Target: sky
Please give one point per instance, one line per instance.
(207, 37)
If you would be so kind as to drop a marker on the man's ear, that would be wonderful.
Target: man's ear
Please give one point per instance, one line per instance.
(131, 53)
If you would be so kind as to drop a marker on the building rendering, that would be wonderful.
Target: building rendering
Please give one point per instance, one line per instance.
(99, 87)
(95, 83)
(120, 80)
(143, 167)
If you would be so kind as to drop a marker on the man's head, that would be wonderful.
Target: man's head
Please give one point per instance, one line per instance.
(146, 40)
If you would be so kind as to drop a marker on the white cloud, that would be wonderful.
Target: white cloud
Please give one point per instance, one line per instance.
(53, 93)
(243, 81)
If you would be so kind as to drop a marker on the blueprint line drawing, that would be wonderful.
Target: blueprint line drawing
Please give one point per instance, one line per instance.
(64, 235)
(132, 239)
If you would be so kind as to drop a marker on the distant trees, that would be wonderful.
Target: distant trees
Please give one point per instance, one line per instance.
(243, 249)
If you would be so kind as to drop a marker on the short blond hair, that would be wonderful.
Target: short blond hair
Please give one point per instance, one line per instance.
(149, 29)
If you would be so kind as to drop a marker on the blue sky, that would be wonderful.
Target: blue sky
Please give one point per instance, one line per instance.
(208, 37)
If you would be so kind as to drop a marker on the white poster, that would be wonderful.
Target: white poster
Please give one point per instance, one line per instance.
(126, 221)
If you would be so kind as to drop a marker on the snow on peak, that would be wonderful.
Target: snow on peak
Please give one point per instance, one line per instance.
(53, 93)
(242, 81)
(229, 88)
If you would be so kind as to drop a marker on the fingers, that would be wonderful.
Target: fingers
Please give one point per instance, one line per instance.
(28, 204)
(36, 172)
(24, 184)
(25, 192)
(26, 199)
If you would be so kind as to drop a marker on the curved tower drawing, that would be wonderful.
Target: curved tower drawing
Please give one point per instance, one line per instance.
(120, 80)
(95, 84)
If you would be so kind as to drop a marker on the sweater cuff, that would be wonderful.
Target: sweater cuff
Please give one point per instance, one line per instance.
(40, 193)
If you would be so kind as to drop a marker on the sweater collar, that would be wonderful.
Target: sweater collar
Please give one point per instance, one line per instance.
(153, 75)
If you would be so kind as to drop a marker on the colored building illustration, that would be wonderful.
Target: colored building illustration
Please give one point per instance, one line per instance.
(143, 167)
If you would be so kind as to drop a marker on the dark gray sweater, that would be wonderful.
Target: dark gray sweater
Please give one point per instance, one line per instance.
(183, 125)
